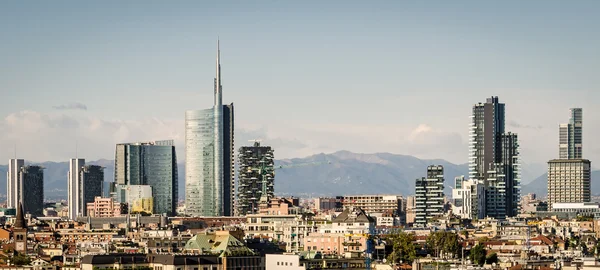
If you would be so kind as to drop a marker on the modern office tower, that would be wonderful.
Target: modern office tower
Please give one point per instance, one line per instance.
(569, 181)
(92, 185)
(74, 187)
(466, 196)
(32, 186)
(12, 182)
(256, 177)
(209, 164)
(493, 160)
(148, 163)
(571, 136)
(429, 195)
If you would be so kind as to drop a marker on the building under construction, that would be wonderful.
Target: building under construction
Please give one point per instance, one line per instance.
(256, 177)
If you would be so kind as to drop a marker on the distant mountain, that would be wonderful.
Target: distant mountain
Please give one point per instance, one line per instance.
(345, 172)
(539, 186)
(338, 173)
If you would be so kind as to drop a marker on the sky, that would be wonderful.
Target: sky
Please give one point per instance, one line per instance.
(306, 77)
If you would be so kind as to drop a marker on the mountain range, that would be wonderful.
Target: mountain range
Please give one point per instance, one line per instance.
(338, 173)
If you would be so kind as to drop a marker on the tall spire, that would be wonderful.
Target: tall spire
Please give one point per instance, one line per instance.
(218, 86)
(20, 219)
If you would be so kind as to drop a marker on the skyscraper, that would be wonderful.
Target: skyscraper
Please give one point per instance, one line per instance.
(148, 163)
(571, 136)
(92, 184)
(74, 187)
(13, 187)
(429, 195)
(256, 177)
(32, 186)
(209, 164)
(494, 161)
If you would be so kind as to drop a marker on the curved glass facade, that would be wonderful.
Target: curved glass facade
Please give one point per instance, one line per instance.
(200, 199)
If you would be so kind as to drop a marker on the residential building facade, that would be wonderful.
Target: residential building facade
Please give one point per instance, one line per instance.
(256, 177)
(429, 195)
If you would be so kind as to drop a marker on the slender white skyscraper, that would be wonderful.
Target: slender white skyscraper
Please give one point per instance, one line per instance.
(571, 136)
(209, 170)
(75, 187)
(13, 183)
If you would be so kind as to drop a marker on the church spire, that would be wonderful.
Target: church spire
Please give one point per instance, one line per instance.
(218, 86)
(20, 219)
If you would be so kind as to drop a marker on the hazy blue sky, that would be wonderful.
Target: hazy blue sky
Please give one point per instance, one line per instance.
(305, 76)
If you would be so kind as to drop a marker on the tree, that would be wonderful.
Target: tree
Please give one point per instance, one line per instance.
(492, 258)
(21, 259)
(477, 255)
(442, 244)
(403, 247)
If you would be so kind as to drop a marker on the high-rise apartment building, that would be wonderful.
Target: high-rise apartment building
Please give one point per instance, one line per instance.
(148, 163)
(13, 186)
(104, 207)
(569, 181)
(256, 177)
(74, 187)
(429, 195)
(209, 164)
(32, 187)
(571, 136)
(494, 161)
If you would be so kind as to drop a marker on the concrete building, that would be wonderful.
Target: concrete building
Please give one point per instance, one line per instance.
(571, 136)
(391, 204)
(148, 163)
(74, 187)
(327, 204)
(13, 186)
(569, 181)
(466, 196)
(429, 195)
(210, 159)
(170, 262)
(31, 179)
(139, 199)
(104, 207)
(256, 177)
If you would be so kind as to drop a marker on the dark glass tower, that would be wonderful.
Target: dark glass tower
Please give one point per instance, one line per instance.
(256, 177)
(32, 181)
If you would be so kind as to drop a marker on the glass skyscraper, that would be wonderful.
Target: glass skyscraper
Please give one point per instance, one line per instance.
(32, 186)
(150, 163)
(209, 163)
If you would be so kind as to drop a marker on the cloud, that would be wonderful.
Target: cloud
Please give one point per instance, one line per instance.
(71, 106)
(53, 136)
(517, 125)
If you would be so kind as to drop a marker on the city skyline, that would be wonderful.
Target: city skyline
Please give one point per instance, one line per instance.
(510, 56)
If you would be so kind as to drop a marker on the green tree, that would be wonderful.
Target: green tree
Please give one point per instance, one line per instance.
(21, 259)
(492, 258)
(403, 247)
(477, 255)
(443, 244)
